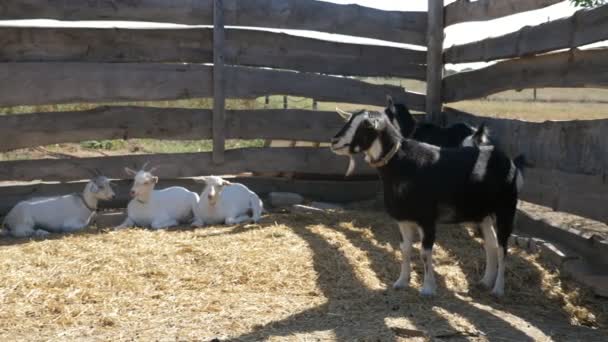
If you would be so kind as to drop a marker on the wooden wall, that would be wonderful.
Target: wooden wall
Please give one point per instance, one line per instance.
(106, 65)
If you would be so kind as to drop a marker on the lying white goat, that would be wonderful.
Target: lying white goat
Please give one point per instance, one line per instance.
(157, 209)
(222, 202)
(61, 214)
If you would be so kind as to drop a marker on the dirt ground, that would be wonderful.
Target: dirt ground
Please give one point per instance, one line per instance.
(294, 276)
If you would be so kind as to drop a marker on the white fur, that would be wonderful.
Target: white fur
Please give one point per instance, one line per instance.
(222, 202)
(491, 247)
(407, 229)
(60, 214)
(157, 209)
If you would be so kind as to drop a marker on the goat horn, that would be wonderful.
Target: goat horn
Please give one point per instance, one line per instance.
(145, 165)
(344, 114)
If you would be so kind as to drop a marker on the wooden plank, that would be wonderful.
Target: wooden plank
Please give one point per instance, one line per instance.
(434, 61)
(465, 10)
(46, 83)
(576, 147)
(319, 190)
(405, 27)
(195, 45)
(575, 68)
(257, 160)
(39, 129)
(219, 84)
(584, 195)
(584, 27)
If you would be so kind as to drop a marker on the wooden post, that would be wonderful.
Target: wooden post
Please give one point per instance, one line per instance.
(219, 90)
(285, 104)
(434, 61)
(315, 105)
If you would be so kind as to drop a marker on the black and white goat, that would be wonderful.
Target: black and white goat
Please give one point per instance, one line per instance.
(457, 135)
(425, 185)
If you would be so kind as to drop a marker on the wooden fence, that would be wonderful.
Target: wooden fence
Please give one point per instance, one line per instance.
(570, 158)
(217, 60)
(107, 65)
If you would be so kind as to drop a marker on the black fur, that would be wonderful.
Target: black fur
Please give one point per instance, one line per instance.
(452, 136)
(423, 182)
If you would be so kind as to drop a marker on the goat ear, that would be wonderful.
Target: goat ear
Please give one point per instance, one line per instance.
(390, 104)
(130, 172)
(94, 188)
(344, 114)
(480, 135)
(202, 180)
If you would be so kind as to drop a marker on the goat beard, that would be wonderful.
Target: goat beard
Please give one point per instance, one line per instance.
(351, 166)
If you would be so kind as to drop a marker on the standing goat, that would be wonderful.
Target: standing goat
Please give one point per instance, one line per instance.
(60, 214)
(222, 202)
(425, 185)
(157, 209)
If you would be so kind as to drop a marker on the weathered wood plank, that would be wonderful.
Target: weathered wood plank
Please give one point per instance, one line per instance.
(319, 190)
(466, 10)
(575, 68)
(584, 27)
(579, 194)
(578, 147)
(219, 84)
(195, 45)
(257, 160)
(45, 83)
(39, 129)
(406, 27)
(434, 73)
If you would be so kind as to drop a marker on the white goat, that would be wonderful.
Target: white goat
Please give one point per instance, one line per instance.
(61, 214)
(222, 202)
(157, 209)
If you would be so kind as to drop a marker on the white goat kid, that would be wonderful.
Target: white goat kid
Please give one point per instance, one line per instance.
(157, 209)
(61, 214)
(222, 202)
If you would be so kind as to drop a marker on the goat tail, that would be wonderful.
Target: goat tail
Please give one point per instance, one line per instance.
(256, 208)
(521, 162)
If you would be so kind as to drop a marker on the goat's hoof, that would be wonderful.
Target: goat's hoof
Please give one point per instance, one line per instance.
(427, 292)
(401, 284)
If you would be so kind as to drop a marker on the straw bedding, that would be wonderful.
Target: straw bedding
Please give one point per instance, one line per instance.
(294, 276)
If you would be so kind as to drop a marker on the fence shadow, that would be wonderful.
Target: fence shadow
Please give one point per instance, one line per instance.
(354, 310)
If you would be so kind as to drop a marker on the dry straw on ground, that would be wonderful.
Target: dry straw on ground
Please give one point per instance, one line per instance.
(292, 277)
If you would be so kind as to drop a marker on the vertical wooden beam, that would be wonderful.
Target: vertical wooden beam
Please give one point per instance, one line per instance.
(219, 84)
(434, 73)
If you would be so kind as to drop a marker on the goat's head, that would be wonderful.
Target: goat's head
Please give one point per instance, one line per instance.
(101, 188)
(481, 137)
(214, 186)
(143, 183)
(361, 130)
(400, 116)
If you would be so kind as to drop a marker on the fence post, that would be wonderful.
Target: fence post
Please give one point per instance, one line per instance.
(434, 60)
(219, 94)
